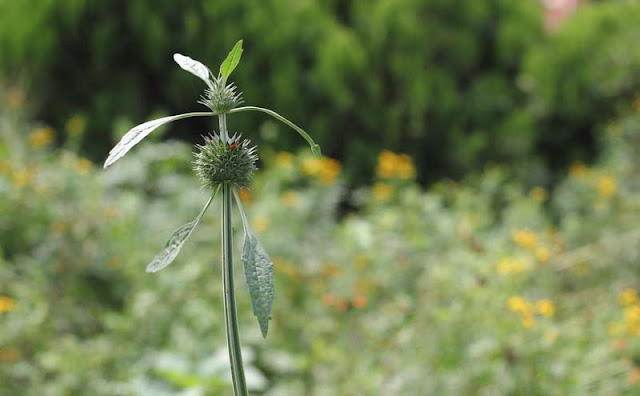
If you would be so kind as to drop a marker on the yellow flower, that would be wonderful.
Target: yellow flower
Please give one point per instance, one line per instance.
(41, 137)
(311, 166)
(23, 177)
(260, 224)
(632, 314)
(542, 254)
(76, 125)
(628, 297)
(528, 321)
(290, 198)
(546, 307)
(284, 159)
(391, 165)
(633, 328)
(7, 304)
(525, 238)
(324, 169)
(606, 186)
(382, 191)
(330, 170)
(519, 304)
(83, 166)
(578, 170)
(538, 194)
(386, 164)
(508, 266)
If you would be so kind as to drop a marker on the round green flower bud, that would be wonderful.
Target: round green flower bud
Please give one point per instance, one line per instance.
(221, 98)
(233, 162)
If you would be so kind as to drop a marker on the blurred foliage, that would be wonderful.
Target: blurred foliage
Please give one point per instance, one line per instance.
(476, 287)
(582, 76)
(435, 79)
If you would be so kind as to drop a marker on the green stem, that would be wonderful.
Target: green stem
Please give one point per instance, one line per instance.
(222, 122)
(315, 148)
(230, 316)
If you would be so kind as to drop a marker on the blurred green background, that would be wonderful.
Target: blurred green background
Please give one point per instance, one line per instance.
(472, 229)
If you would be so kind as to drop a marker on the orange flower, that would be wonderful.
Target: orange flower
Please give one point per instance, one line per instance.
(359, 302)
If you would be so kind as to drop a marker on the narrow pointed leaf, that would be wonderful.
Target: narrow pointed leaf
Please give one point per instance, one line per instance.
(175, 242)
(136, 134)
(192, 66)
(232, 61)
(315, 148)
(258, 272)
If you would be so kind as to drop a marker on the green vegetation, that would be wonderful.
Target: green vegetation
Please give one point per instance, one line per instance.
(481, 286)
(435, 78)
(472, 226)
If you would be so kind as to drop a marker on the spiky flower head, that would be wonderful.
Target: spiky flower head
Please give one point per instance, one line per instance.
(221, 98)
(218, 162)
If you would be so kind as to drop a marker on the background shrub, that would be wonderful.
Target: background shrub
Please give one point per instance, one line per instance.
(435, 79)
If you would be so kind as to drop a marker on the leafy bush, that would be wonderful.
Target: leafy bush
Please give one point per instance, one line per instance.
(435, 79)
(474, 287)
(584, 75)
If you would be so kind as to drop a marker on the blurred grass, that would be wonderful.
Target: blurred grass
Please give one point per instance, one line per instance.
(475, 287)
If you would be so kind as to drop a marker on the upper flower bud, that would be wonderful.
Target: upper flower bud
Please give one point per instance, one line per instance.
(221, 98)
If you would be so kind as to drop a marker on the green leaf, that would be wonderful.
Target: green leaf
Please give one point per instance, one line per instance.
(174, 244)
(315, 148)
(258, 272)
(136, 134)
(231, 62)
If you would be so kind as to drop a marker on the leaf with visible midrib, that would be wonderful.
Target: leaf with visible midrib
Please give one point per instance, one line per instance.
(231, 62)
(136, 134)
(258, 272)
(174, 244)
(192, 66)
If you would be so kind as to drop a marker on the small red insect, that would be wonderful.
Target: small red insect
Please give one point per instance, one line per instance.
(232, 146)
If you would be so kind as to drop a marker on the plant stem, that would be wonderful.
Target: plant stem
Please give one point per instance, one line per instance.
(222, 122)
(230, 316)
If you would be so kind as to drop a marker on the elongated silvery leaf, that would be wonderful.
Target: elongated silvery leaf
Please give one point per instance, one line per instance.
(174, 244)
(193, 66)
(258, 272)
(136, 134)
(231, 61)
